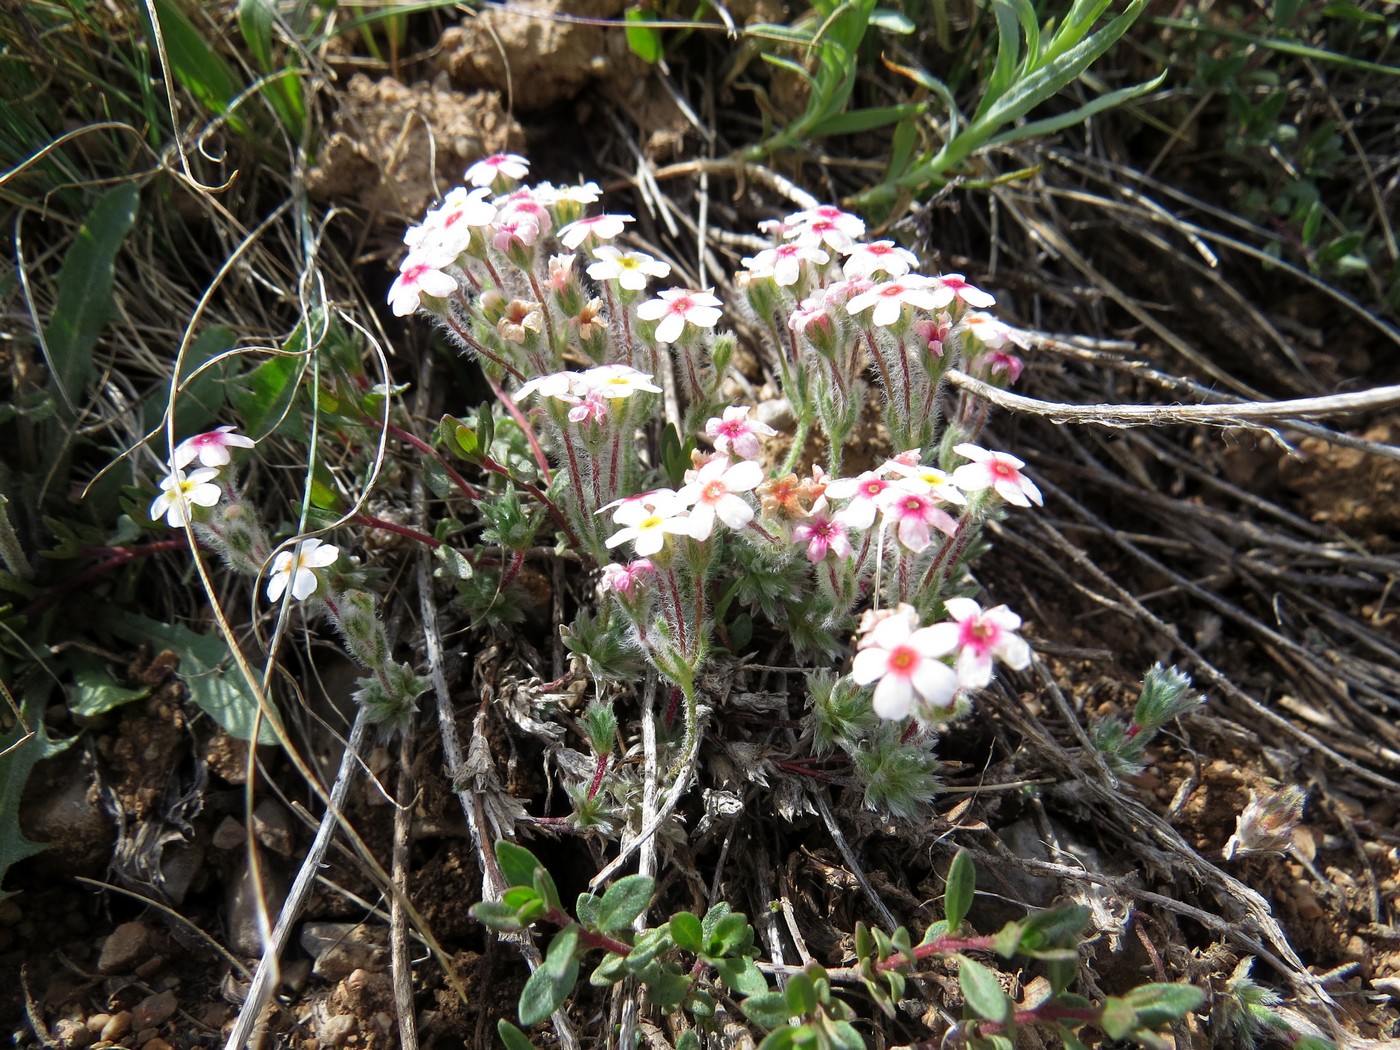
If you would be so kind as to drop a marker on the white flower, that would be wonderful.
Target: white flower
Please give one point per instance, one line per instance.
(297, 569)
(939, 483)
(614, 381)
(421, 274)
(210, 448)
(484, 171)
(998, 471)
(714, 493)
(890, 298)
(558, 385)
(866, 260)
(978, 636)
(905, 662)
(675, 308)
(448, 228)
(648, 521)
(627, 268)
(824, 224)
(784, 263)
(179, 491)
(970, 294)
(602, 227)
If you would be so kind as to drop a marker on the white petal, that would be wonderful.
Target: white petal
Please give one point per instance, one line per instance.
(303, 584)
(893, 697)
(1015, 652)
(869, 665)
(936, 682)
(962, 609)
(938, 640)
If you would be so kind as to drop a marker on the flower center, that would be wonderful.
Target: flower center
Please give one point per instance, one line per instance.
(714, 492)
(1003, 470)
(903, 660)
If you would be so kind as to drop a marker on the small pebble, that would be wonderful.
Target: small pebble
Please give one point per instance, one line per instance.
(153, 1010)
(118, 1026)
(97, 1022)
(129, 945)
(156, 1044)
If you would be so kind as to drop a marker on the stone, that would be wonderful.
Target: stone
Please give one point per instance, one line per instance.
(273, 826)
(154, 1010)
(118, 1026)
(334, 1031)
(129, 945)
(341, 948)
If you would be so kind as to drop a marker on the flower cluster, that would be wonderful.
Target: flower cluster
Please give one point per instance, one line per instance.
(549, 304)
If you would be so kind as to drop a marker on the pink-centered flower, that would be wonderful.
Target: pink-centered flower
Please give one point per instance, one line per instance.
(180, 493)
(891, 297)
(968, 293)
(978, 636)
(914, 514)
(822, 535)
(558, 385)
(937, 483)
(420, 274)
(508, 165)
(629, 269)
(824, 224)
(675, 308)
(934, 331)
(784, 263)
(648, 521)
(867, 494)
(866, 260)
(599, 227)
(296, 569)
(449, 226)
(210, 448)
(714, 493)
(998, 471)
(810, 312)
(904, 659)
(737, 433)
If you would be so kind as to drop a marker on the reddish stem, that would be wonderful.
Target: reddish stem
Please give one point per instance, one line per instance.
(401, 530)
(598, 776)
(422, 446)
(505, 399)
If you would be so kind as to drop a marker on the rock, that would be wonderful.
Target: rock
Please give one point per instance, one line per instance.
(341, 948)
(244, 931)
(334, 1031)
(156, 1044)
(273, 826)
(62, 807)
(129, 945)
(97, 1022)
(117, 1027)
(228, 835)
(69, 1033)
(154, 1010)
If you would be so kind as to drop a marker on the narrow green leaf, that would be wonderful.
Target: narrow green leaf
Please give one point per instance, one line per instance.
(562, 951)
(1037, 128)
(843, 1036)
(742, 975)
(856, 121)
(686, 932)
(623, 901)
(265, 394)
(496, 915)
(513, 1038)
(1056, 928)
(962, 884)
(544, 885)
(201, 391)
(84, 301)
(199, 68)
(612, 969)
(642, 40)
(517, 863)
(801, 996)
(255, 21)
(1118, 1018)
(982, 991)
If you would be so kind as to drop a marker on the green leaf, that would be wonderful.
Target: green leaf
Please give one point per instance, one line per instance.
(551, 984)
(84, 302)
(642, 40)
(623, 901)
(650, 944)
(668, 990)
(1056, 928)
(199, 68)
(856, 121)
(255, 21)
(94, 689)
(512, 1037)
(18, 756)
(730, 934)
(496, 915)
(892, 21)
(266, 395)
(1008, 940)
(544, 886)
(768, 1009)
(686, 932)
(962, 884)
(801, 995)
(206, 669)
(202, 393)
(612, 969)
(517, 863)
(742, 975)
(843, 1036)
(1160, 1004)
(586, 910)
(983, 992)
(1118, 1018)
